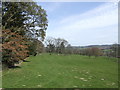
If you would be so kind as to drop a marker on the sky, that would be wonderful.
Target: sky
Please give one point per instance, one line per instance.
(82, 23)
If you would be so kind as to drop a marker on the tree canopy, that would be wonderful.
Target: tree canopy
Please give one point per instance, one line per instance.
(23, 26)
(29, 18)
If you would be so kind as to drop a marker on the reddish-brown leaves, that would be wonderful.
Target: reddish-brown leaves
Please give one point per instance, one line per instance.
(16, 44)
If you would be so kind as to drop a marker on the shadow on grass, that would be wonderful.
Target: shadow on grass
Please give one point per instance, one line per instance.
(25, 61)
(13, 67)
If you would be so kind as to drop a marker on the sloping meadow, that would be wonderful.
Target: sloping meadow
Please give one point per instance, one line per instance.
(63, 71)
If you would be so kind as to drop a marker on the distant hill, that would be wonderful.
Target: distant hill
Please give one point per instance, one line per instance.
(90, 46)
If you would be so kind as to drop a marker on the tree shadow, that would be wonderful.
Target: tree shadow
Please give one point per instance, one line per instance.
(13, 67)
(25, 61)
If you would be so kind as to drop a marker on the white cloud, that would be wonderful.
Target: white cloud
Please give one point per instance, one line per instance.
(86, 27)
(100, 10)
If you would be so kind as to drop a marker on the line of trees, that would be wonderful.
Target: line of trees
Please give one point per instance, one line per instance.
(61, 46)
(94, 51)
(56, 45)
(113, 51)
(23, 30)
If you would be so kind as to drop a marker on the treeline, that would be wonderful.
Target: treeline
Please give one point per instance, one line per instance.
(56, 45)
(61, 46)
(112, 51)
(23, 30)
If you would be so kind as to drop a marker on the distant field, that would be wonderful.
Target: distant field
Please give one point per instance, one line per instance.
(59, 71)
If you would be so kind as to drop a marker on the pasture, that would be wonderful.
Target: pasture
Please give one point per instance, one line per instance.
(63, 71)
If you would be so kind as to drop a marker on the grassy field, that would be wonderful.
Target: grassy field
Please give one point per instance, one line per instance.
(59, 71)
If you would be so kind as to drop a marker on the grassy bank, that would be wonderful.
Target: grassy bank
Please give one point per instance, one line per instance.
(59, 71)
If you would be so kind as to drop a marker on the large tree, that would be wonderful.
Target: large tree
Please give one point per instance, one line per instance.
(30, 18)
(60, 45)
(57, 45)
(25, 19)
(50, 44)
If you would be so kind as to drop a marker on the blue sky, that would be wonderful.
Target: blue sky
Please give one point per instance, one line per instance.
(82, 23)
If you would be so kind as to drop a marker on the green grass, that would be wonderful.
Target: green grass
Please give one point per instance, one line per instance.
(59, 71)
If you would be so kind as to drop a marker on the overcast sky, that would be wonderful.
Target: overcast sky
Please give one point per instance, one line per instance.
(82, 23)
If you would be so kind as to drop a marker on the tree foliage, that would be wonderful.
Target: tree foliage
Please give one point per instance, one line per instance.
(14, 47)
(56, 45)
(115, 50)
(23, 25)
(35, 47)
(92, 51)
(30, 18)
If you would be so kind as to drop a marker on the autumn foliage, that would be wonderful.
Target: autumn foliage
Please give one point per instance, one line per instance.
(14, 47)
